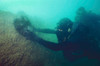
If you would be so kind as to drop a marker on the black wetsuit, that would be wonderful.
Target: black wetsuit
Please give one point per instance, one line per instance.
(77, 45)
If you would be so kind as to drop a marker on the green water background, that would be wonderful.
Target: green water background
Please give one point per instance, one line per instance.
(47, 13)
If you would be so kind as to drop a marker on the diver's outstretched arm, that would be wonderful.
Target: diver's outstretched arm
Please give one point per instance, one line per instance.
(47, 44)
(25, 28)
(45, 30)
(33, 37)
(50, 45)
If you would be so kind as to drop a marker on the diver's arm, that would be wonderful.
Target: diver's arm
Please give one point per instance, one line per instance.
(50, 45)
(33, 37)
(46, 30)
(47, 44)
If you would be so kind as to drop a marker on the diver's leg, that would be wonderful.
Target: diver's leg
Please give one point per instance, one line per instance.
(72, 52)
(71, 56)
(93, 54)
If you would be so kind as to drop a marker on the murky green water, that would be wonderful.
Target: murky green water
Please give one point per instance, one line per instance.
(47, 13)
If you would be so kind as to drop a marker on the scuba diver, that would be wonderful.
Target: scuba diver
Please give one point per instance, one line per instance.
(75, 39)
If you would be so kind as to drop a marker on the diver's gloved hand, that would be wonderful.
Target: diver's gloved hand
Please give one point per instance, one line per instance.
(21, 23)
(25, 28)
(30, 35)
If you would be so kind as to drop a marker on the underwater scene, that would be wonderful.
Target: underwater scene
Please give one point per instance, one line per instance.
(49, 32)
